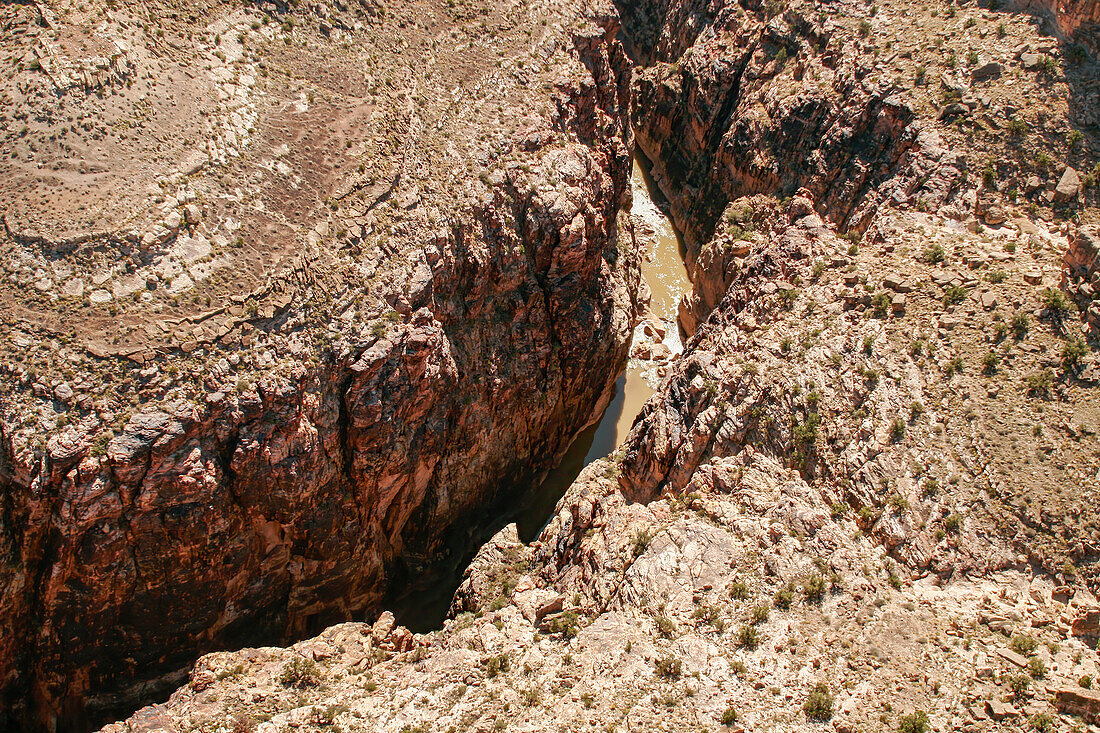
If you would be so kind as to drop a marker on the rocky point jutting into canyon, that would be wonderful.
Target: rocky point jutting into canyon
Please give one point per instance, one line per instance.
(300, 293)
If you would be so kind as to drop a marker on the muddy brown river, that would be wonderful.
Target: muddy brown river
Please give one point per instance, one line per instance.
(425, 606)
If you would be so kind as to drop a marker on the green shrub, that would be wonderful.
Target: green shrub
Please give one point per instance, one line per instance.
(935, 254)
(1020, 326)
(1055, 302)
(814, 587)
(897, 430)
(1023, 644)
(990, 361)
(665, 626)
(1041, 722)
(955, 294)
(748, 637)
(915, 722)
(496, 664)
(1020, 684)
(783, 599)
(1039, 383)
(300, 672)
(641, 541)
(1036, 668)
(669, 668)
(819, 703)
(99, 445)
(565, 623)
(1072, 353)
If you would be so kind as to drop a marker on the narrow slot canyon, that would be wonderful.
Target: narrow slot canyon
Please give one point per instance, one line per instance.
(423, 606)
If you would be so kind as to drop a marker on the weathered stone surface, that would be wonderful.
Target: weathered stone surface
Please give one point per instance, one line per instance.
(1084, 704)
(1017, 659)
(1069, 185)
(986, 71)
(696, 117)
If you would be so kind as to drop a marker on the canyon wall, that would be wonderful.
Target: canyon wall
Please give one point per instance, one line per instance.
(1077, 20)
(790, 160)
(272, 508)
(759, 106)
(867, 481)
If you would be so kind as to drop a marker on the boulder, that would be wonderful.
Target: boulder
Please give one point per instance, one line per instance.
(995, 215)
(897, 283)
(1000, 710)
(1069, 185)
(1078, 701)
(987, 71)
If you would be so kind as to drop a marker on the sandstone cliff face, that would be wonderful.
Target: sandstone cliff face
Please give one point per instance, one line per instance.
(1077, 20)
(268, 509)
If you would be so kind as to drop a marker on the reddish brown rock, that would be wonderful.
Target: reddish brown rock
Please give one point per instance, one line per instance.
(1087, 626)
(1083, 703)
(262, 515)
(1076, 19)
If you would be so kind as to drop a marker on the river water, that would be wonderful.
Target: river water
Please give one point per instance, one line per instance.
(424, 607)
(663, 269)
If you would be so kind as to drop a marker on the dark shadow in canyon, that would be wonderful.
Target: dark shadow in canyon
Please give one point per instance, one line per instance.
(426, 593)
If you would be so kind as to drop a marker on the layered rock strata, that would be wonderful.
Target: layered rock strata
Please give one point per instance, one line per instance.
(404, 374)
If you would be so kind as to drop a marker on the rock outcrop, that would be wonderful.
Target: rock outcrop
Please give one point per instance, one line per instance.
(262, 503)
(813, 193)
(785, 106)
(1082, 260)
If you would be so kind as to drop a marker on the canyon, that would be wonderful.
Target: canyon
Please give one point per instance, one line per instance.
(861, 491)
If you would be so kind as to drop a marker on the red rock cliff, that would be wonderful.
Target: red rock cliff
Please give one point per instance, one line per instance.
(257, 515)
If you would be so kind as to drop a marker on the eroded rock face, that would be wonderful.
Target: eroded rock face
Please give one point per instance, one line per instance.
(811, 192)
(839, 505)
(1078, 20)
(270, 506)
(729, 116)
